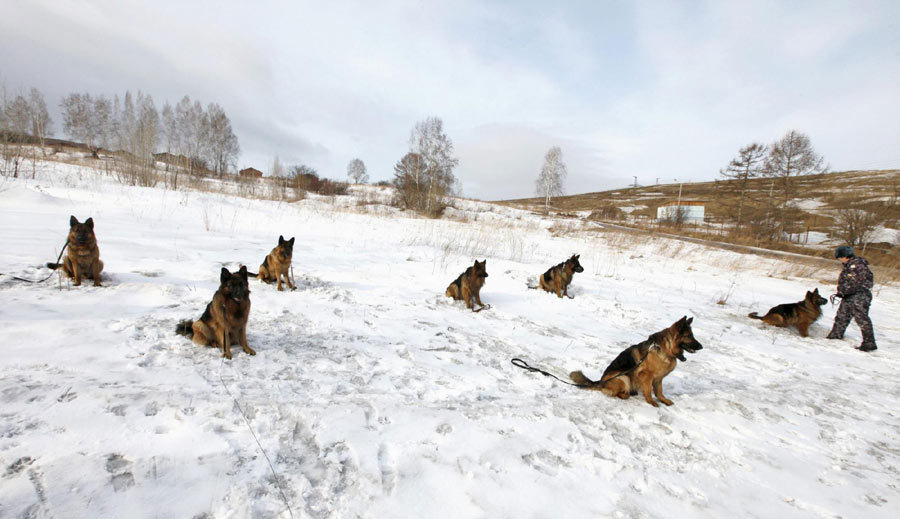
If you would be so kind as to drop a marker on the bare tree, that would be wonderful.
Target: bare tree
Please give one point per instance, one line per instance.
(356, 170)
(553, 175)
(87, 119)
(409, 181)
(748, 164)
(192, 128)
(789, 157)
(222, 144)
(435, 150)
(855, 226)
(16, 124)
(41, 123)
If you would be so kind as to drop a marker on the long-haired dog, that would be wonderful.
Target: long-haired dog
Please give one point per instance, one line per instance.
(644, 365)
(800, 314)
(278, 264)
(467, 286)
(83, 258)
(558, 278)
(225, 319)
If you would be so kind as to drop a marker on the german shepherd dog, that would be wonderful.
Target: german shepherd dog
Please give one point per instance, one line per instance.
(467, 286)
(558, 278)
(83, 258)
(644, 365)
(800, 314)
(225, 319)
(277, 264)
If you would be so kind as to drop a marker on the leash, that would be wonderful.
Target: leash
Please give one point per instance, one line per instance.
(66, 244)
(483, 307)
(519, 363)
(258, 444)
(833, 297)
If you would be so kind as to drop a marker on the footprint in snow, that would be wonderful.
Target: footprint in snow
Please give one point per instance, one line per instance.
(121, 479)
(16, 467)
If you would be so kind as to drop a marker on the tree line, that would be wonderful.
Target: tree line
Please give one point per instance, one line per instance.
(187, 135)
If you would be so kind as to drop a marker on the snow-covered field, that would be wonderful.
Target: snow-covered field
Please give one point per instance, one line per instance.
(372, 395)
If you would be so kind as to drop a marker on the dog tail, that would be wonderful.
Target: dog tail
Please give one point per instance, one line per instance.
(581, 379)
(185, 328)
(53, 266)
(753, 315)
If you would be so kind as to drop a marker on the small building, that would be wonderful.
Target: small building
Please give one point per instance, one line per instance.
(250, 173)
(692, 211)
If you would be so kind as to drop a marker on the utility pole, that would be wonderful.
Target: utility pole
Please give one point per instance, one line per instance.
(657, 181)
(635, 180)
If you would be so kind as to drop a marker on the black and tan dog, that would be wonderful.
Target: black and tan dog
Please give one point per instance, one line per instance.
(800, 314)
(558, 278)
(225, 319)
(644, 365)
(83, 258)
(467, 286)
(278, 264)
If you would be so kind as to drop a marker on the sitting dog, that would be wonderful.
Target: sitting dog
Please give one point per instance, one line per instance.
(644, 365)
(278, 264)
(225, 319)
(558, 278)
(83, 258)
(467, 286)
(800, 314)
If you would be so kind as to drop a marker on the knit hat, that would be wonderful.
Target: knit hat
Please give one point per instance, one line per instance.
(844, 252)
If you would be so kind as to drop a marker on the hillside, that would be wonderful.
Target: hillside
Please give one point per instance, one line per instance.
(373, 395)
(818, 197)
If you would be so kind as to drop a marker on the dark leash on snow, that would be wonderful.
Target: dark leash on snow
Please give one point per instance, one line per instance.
(49, 265)
(519, 363)
(237, 404)
(483, 307)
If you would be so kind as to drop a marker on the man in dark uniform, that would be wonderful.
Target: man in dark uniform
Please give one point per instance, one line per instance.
(855, 290)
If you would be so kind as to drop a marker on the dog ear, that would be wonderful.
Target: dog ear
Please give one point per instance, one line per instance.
(243, 272)
(89, 222)
(291, 241)
(223, 277)
(73, 221)
(689, 321)
(280, 239)
(816, 291)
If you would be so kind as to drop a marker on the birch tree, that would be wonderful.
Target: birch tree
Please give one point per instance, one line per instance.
(356, 171)
(553, 175)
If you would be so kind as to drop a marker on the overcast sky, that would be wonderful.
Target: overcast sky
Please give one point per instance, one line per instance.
(652, 89)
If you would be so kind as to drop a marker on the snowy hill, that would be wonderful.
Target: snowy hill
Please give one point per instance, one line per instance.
(373, 395)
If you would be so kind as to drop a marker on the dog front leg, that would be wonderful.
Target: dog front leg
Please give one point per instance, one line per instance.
(278, 278)
(95, 268)
(76, 272)
(247, 349)
(226, 344)
(804, 329)
(646, 388)
(657, 389)
(467, 297)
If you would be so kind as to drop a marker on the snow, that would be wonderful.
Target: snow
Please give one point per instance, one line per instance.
(375, 396)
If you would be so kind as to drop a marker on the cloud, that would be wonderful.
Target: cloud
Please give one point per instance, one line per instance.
(644, 89)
